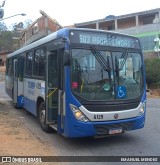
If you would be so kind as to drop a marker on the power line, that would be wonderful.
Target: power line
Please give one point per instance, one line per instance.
(12, 16)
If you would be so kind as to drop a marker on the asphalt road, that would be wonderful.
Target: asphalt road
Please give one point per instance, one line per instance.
(143, 142)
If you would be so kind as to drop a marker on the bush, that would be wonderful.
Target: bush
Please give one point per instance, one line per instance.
(153, 72)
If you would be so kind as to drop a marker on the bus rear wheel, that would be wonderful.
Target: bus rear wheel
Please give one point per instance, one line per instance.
(42, 118)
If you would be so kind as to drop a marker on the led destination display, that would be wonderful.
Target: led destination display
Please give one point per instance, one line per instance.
(108, 39)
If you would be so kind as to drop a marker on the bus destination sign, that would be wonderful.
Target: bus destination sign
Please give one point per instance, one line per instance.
(108, 39)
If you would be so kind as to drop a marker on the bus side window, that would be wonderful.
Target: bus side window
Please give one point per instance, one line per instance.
(9, 67)
(21, 68)
(52, 70)
(7, 62)
(29, 59)
(39, 62)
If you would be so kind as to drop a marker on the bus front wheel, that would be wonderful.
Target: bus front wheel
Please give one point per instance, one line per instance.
(42, 118)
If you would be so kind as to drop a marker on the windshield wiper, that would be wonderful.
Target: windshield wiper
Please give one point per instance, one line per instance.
(100, 59)
(124, 58)
(119, 65)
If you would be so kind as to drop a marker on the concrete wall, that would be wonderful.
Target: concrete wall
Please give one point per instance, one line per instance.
(141, 29)
(126, 23)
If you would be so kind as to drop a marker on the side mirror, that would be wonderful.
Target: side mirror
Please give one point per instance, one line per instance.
(66, 58)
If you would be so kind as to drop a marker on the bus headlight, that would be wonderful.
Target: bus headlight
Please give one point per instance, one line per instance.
(78, 114)
(142, 110)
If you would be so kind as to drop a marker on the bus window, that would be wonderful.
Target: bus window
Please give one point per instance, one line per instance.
(52, 70)
(21, 68)
(127, 68)
(7, 64)
(39, 62)
(129, 73)
(10, 67)
(89, 79)
(29, 59)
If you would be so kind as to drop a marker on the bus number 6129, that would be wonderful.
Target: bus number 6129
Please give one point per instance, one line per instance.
(98, 116)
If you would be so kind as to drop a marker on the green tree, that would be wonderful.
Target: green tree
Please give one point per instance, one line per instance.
(153, 72)
(9, 39)
(6, 40)
(2, 27)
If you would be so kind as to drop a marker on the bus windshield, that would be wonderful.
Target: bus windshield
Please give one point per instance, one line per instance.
(106, 75)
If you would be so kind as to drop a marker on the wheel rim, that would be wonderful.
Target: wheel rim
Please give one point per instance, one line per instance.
(42, 116)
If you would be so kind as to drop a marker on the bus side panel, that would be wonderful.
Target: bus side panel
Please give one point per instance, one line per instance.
(20, 99)
(9, 85)
(32, 90)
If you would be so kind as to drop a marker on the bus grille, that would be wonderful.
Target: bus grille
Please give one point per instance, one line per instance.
(104, 129)
(110, 107)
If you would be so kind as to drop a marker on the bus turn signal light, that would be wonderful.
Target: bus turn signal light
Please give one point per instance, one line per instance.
(78, 114)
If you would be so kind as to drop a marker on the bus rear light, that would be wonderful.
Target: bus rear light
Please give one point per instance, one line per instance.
(78, 114)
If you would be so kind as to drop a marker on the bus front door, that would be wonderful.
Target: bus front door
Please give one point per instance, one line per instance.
(52, 89)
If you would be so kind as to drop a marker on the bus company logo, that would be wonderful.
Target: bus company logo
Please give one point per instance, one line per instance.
(6, 159)
(116, 116)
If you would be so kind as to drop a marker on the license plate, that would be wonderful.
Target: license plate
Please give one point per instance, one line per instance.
(115, 131)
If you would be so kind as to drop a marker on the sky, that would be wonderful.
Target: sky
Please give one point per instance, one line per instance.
(69, 12)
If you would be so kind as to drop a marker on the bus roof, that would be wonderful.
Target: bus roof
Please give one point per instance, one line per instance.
(59, 34)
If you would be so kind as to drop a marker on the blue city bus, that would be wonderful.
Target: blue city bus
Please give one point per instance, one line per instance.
(80, 82)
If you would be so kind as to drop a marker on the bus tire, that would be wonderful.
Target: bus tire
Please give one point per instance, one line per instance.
(42, 118)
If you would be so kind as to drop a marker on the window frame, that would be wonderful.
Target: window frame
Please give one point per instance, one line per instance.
(44, 63)
(9, 71)
(26, 68)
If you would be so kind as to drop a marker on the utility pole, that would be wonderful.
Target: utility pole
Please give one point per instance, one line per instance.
(2, 10)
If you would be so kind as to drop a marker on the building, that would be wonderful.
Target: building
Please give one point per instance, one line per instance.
(3, 55)
(40, 28)
(145, 25)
